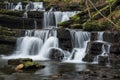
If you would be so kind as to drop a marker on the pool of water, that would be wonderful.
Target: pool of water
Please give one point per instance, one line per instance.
(59, 71)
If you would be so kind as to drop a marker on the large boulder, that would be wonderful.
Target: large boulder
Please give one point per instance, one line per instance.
(56, 54)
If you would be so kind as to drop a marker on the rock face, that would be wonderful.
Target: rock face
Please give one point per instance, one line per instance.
(112, 37)
(8, 39)
(64, 39)
(103, 60)
(14, 19)
(94, 49)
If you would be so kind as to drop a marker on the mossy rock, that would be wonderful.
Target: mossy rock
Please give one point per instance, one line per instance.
(93, 26)
(29, 65)
(75, 18)
(76, 26)
(65, 23)
(11, 13)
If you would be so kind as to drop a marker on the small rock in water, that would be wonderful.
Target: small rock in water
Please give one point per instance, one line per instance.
(19, 67)
(29, 65)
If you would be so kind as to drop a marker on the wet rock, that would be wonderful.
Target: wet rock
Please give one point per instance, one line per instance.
(114, 59)
(56, 55)
(116, 77)
(115, 48)
(6, 49)
(2, 78)
(93, 36)
(104, 76)
(103, 60)
(29, 65)
(95, 74)
(18, 61)
(19, 22)
(111, 36)
(64, 39)
(94, 49)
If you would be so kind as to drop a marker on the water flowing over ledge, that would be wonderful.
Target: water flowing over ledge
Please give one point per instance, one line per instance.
(44, 45)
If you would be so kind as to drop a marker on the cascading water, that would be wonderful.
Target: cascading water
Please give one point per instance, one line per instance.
(105, 47)
(34, 6)
(36, 44)
(35, 24)
(79, 39)
(51, 19)
(9, 5)
(25, 15)
(100, 36)
(18, 7)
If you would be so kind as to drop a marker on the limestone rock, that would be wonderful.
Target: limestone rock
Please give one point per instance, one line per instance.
(19, 67)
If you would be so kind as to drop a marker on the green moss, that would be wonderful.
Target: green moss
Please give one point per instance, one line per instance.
(76, 26)
(76, 18)
(30, 64)
(94, 26)
(65, 24)
(11, 13)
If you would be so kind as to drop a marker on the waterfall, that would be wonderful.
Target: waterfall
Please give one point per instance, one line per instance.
(35, 44)
(51, 19)
(105, 47)
(35, 24)
(52, 9)
(25, 15)
(80, 40)
(100, 36)
(34, 6)
(52, 42)
(18, 7)
(8, 5)
(38, 6)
